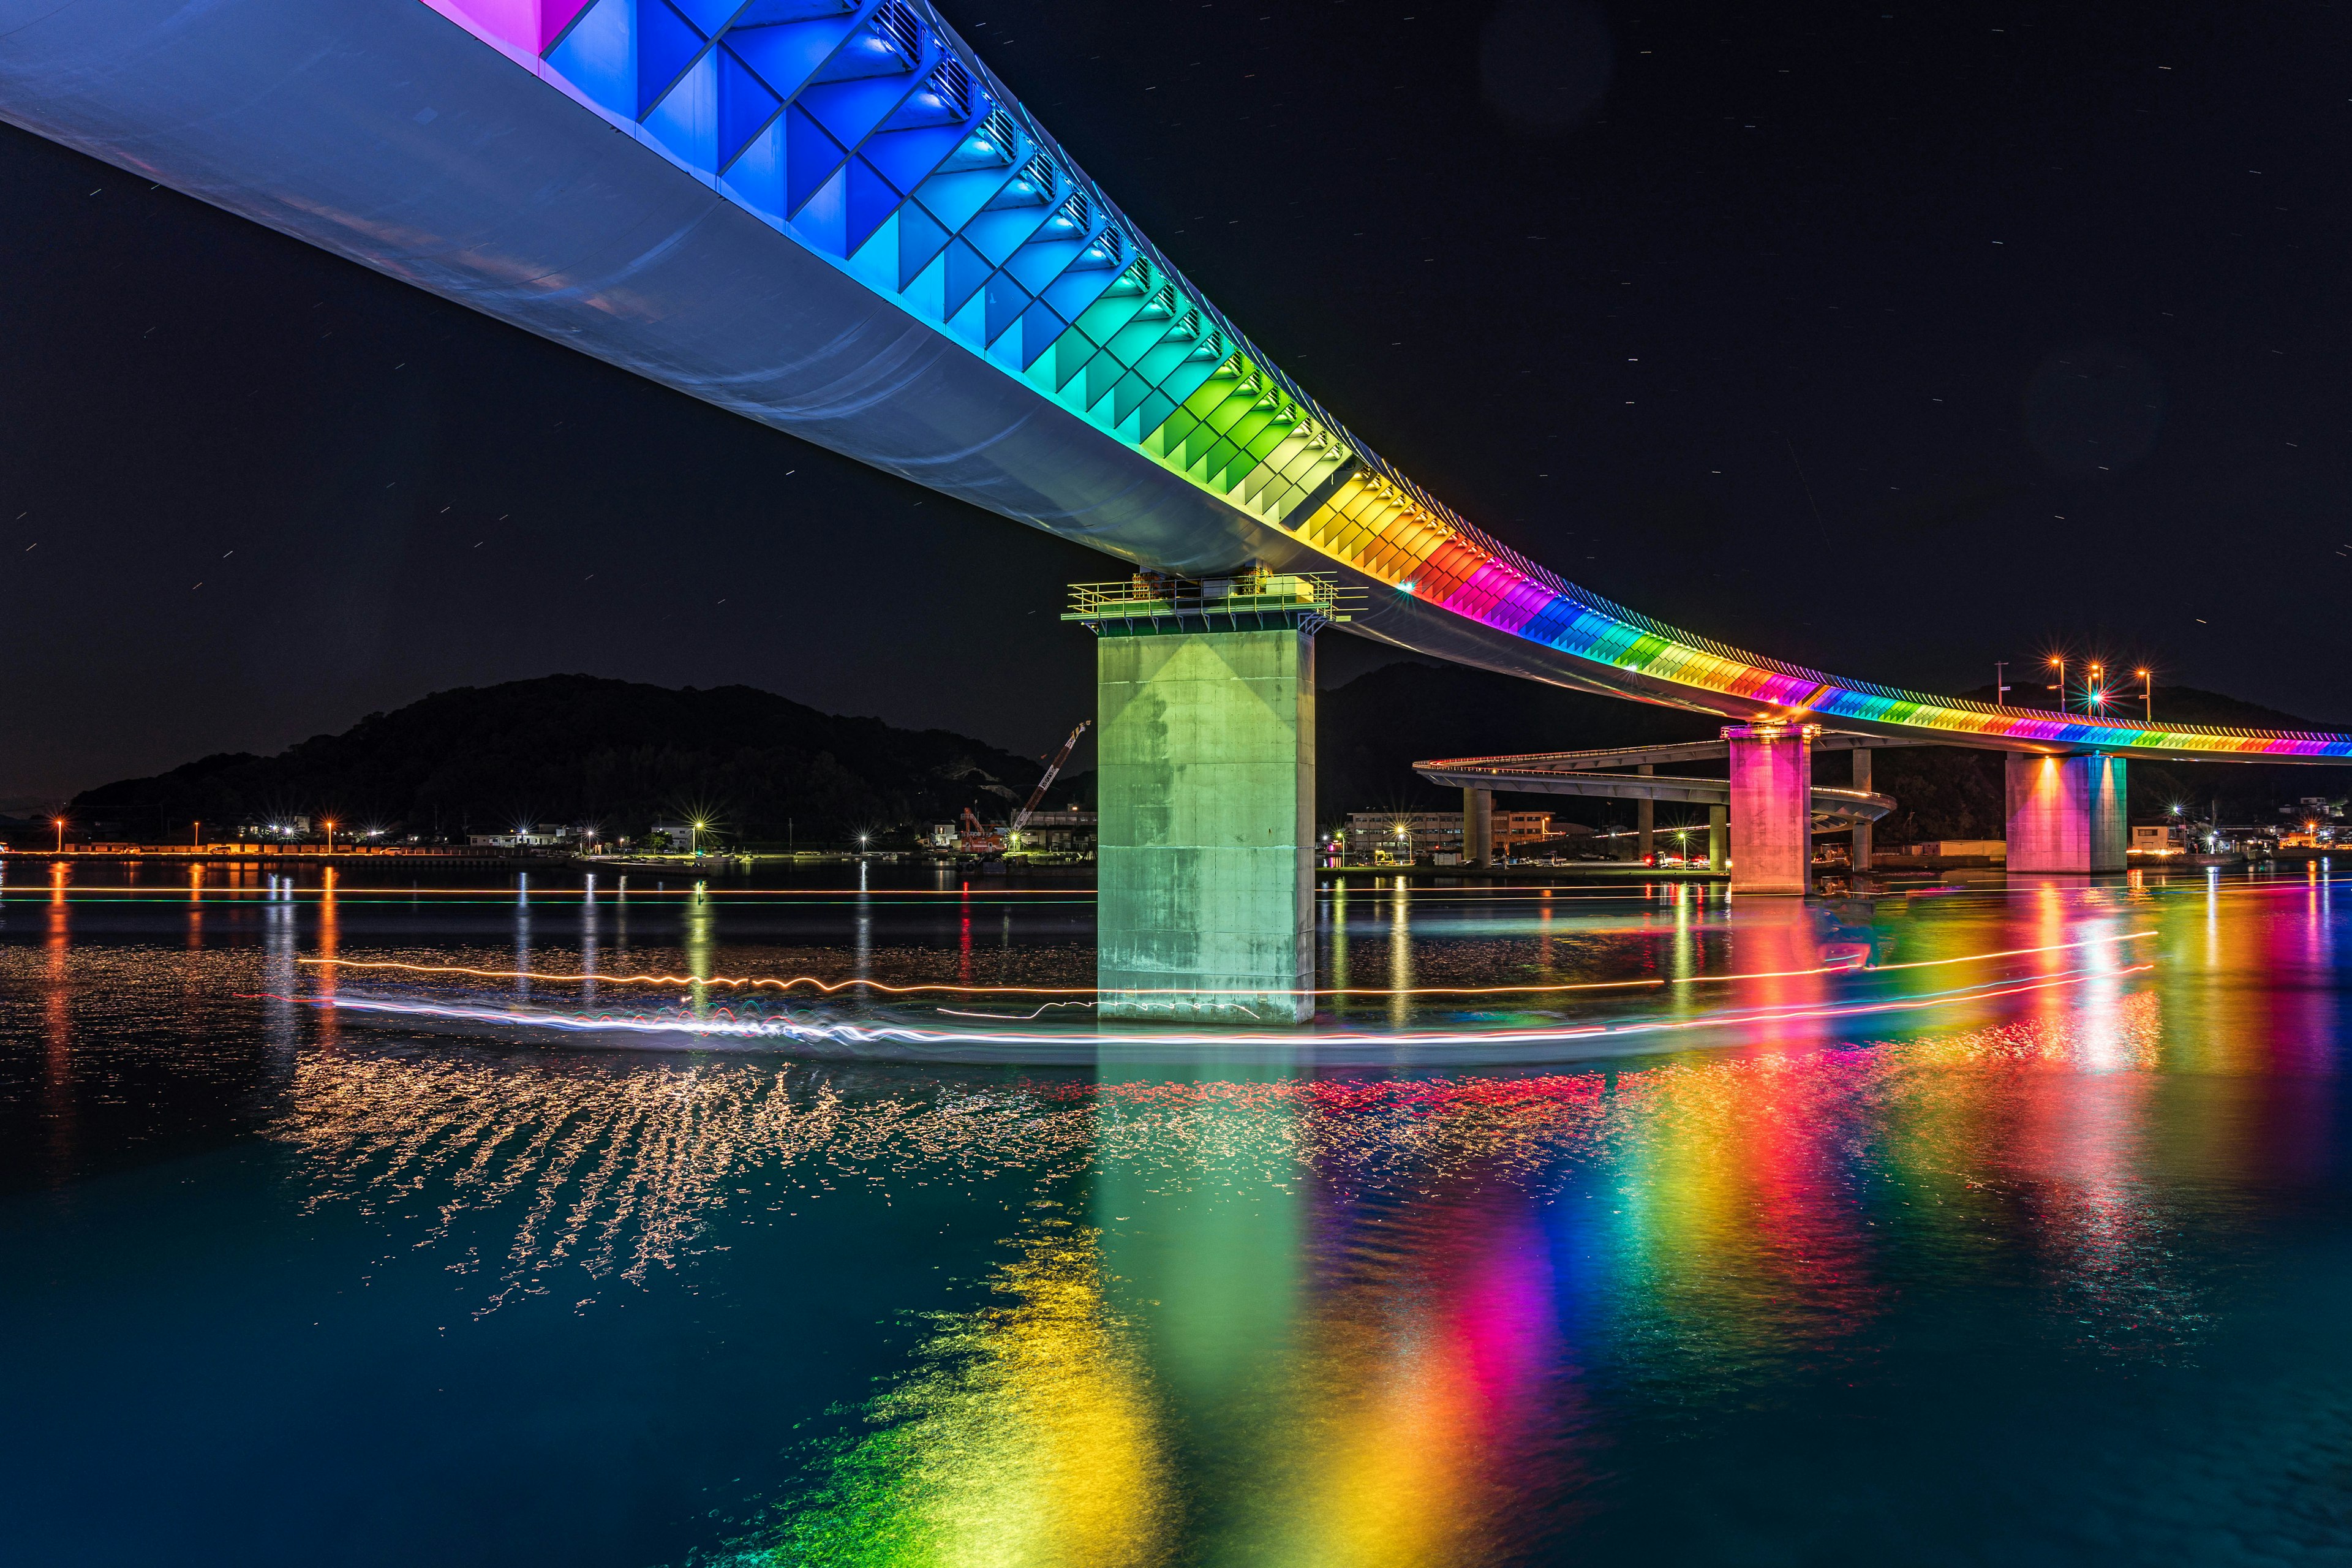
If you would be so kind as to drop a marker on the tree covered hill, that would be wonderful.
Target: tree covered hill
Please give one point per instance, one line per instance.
(578, 749)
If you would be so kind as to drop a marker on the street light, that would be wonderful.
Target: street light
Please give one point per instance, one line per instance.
(694, 839)
(330, 823)
(2093, 696)
(61, 833)
(2148, 692)
(2060, 687)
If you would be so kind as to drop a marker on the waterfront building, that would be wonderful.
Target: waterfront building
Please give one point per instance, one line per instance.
(1431, 834)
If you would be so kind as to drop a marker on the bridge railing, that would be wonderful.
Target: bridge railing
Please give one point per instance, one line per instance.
(1244, 599)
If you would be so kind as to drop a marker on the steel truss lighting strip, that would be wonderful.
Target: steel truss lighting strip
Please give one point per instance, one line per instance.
(870, 134)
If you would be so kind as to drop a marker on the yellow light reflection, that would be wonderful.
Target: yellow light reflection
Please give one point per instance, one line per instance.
(1027, 1440)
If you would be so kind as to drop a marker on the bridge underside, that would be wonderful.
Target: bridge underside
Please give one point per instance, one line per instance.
(451, 151)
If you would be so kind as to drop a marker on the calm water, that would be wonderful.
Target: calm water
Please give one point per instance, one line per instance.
(360, 1224)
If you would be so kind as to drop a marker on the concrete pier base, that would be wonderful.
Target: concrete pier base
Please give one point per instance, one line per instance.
(1206, 901)
(1719, 838)
(1771, 808)
(2067, 814)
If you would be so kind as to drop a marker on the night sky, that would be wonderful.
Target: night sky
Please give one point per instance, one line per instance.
(1894, 341)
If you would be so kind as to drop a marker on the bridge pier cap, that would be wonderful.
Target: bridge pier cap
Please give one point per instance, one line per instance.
(1771, 807)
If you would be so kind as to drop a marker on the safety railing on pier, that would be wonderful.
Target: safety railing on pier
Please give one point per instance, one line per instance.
(1241, 602)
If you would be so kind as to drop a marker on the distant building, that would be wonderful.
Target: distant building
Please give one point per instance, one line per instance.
(1064, 830)
(1955, 848)
(1427, 834)
(541, 836)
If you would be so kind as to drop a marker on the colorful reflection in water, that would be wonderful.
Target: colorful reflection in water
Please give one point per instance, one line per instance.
(1981, 1279)
(1027, 1436)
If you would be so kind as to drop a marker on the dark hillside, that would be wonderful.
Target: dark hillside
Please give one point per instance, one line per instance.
(572, 748)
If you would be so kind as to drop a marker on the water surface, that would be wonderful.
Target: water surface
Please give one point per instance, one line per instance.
(1956, 1225)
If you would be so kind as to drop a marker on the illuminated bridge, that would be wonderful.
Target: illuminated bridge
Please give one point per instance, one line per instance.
(830, 216)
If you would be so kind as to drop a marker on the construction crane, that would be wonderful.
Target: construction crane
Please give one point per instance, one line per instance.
(1053, 771)
(976, 837)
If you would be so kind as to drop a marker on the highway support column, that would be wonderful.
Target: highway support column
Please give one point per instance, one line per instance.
(1645, 820)
(1477, 826)
(1719, 838)
(1862, 836)
(1206, 900)
(1771, 807)
(2067, 814)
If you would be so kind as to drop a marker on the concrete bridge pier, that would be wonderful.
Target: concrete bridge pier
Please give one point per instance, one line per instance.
(1645, 820)
(1719, 838)
(1206, 905)
(1771, 807)
(1863, 835)
(2067, 814)
(1477, 826)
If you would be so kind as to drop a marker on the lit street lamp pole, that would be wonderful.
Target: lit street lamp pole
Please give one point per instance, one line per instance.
(331, 835)
(2060, 687)
(61, 834)
(2147, 694)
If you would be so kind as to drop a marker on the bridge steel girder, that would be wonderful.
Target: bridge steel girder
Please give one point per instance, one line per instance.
(834, 219)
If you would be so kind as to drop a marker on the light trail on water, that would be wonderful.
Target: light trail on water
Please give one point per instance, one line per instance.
(833, 988)
(723, 1025)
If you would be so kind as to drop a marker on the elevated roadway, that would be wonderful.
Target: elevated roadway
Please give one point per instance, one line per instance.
(1594, 775)
(830, 216)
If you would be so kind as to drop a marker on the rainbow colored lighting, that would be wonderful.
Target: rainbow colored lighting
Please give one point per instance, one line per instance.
(870, 135)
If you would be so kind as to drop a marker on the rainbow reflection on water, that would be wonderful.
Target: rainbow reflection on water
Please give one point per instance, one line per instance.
(1975, 1227)
(1357, 1322)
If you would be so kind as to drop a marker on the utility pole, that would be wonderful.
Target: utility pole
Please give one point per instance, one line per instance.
(1999, 683)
